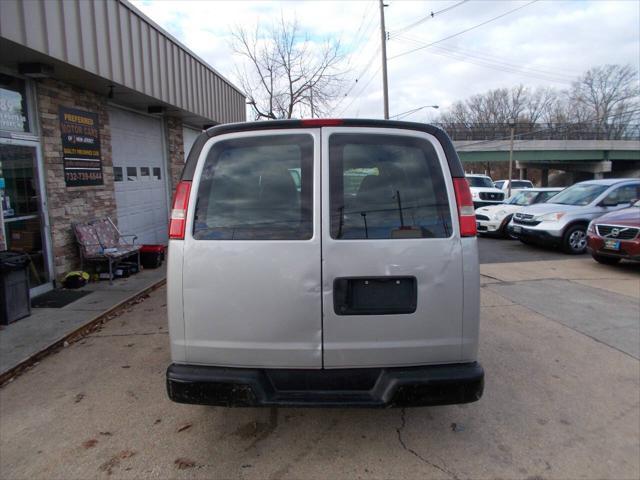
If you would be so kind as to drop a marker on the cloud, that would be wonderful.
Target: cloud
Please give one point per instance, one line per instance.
(547, 43)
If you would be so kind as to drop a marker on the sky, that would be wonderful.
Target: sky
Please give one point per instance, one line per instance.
(542, 43)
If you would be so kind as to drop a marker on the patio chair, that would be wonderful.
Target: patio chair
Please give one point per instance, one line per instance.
(101, 241)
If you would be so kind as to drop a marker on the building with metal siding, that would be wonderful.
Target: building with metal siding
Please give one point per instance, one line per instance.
(141, 96)
(113, 42)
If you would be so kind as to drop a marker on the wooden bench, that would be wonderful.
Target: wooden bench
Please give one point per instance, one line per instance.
(101, 241)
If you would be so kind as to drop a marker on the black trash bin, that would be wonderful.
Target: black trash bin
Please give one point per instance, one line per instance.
(14, 287)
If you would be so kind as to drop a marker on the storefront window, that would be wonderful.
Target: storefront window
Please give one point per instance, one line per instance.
(13, 104)
(21, 220)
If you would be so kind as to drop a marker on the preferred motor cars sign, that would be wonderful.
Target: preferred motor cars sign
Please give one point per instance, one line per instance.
(80, 147)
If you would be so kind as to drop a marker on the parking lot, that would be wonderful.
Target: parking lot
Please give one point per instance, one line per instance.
(559, 343)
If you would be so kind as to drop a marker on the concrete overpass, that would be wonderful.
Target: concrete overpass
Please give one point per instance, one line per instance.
(581, 159)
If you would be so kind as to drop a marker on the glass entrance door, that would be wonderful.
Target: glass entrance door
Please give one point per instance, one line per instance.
(22, 225)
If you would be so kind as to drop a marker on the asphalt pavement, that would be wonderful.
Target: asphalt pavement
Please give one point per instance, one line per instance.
(562, 400)
(502, 250)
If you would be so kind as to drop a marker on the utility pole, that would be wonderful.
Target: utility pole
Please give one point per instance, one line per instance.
(512, 124)
(383, 37)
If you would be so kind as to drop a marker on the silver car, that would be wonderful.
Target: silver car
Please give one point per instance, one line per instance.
(563, 220)
(323, 262)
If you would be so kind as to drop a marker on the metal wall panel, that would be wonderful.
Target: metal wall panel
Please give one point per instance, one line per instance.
(11, 20)
(87, 23)
(102, 40)
(112, 39)
(33, 17)
(55, 42)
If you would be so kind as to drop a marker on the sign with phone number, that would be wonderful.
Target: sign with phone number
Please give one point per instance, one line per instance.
(80, 131)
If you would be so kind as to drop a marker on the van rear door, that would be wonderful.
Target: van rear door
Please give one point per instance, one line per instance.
(251, 271)
(391, 250)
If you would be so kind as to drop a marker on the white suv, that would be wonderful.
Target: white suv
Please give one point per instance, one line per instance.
(516, 186)
(483, 192)
(323, 262)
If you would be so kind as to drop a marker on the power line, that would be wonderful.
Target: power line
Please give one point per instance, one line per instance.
(357, 80)
(366, 35)
(424, 19)
(492, 61)
(466, 30)
(499, 65)
(361, 91)
(463, 51)
(412, 111)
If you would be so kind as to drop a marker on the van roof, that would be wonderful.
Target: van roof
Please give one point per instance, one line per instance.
(455, 166)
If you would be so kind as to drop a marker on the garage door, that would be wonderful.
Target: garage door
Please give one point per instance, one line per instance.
(189, 136)
(139, 173)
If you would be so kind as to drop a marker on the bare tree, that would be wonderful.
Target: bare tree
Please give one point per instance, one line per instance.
(494, 106)
(603, 102)
(540, 104)
(606, 96)
(489, 114)
(284, 74)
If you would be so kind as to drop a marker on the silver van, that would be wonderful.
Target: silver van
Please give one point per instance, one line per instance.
(323, 263)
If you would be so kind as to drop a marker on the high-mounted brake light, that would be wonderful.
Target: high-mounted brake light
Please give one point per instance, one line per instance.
(322, 122)
(466, 213)
(178, 221)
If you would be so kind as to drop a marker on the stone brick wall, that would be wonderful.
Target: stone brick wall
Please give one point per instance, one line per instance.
(175, 147)
(72, 204)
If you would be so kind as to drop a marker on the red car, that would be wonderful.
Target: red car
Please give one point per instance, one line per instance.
(615, 236)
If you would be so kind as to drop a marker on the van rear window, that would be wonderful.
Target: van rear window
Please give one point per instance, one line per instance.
(386, 186)
(257, 188)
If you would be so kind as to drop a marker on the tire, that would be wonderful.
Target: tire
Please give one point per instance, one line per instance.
(526, 241)
(574, 241)
(605, 260)
(504, 231)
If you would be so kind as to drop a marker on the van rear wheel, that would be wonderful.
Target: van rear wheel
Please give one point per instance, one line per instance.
(574, 241)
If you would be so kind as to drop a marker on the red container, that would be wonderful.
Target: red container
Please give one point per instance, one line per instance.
(152, 256)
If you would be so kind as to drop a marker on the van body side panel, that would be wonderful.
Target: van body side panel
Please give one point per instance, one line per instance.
(432, 333)
(174, 301)
(253, 303)
(471, 307)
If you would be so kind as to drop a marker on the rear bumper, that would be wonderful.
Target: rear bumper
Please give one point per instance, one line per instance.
(542, 237)
(491, 227)
(365, 387)
(629, 249)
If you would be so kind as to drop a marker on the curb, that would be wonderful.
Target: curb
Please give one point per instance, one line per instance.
(76, 334)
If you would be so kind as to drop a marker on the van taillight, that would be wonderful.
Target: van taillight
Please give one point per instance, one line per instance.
(466, 212)
(178, 221)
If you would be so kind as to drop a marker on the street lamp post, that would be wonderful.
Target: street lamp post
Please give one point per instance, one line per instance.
(512, 125)
(413, 110)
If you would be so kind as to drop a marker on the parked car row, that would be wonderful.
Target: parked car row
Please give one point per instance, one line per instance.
(493, 219)
(598, 216)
